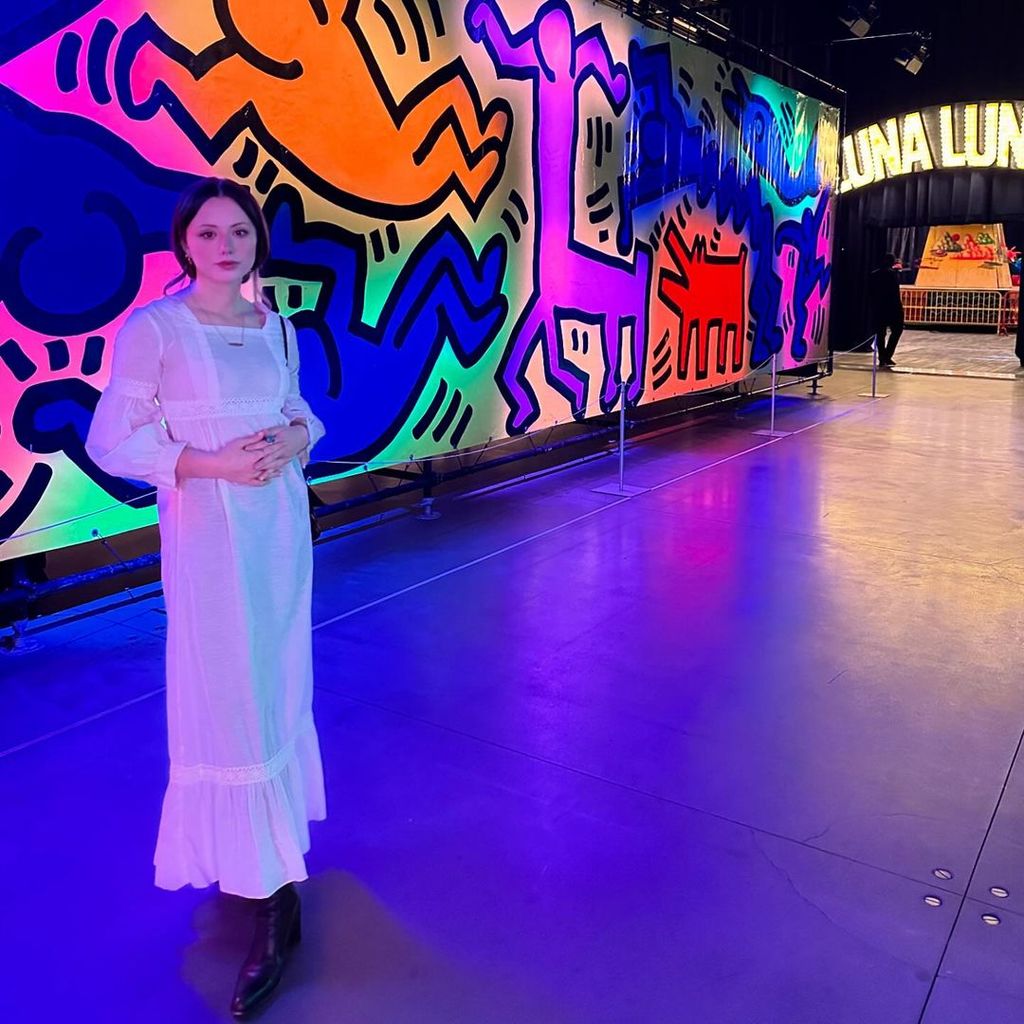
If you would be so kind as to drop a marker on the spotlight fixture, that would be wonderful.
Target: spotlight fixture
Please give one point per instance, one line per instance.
(859, 20)
(913, 56)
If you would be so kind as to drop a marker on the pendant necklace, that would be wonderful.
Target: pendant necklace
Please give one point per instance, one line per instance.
(217, 327)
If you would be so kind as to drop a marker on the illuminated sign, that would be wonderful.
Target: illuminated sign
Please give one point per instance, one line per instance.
(937, 138)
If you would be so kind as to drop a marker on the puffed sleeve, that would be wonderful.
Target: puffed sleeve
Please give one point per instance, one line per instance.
(127, 437)
(295, 406)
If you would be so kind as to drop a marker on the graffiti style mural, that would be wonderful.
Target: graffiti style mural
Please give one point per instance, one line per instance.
(487, 217)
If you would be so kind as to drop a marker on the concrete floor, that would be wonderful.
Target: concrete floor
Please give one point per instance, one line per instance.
(692, 756)
(947, 354)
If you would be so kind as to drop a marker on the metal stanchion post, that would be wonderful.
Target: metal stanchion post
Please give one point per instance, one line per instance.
(622, 490)
(622, 435)
(873, 393)
(772, 432)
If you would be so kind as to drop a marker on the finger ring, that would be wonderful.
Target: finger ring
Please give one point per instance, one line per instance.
(270, 438)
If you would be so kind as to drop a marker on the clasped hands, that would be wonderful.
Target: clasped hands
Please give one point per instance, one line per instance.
(261, 457)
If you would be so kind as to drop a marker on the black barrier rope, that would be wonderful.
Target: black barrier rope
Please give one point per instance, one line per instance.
(867, 345)
(369, 466)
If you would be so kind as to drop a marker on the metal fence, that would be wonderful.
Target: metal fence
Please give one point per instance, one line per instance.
(955, 307)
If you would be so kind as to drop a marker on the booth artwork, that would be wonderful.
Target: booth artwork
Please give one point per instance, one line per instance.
(936, 138)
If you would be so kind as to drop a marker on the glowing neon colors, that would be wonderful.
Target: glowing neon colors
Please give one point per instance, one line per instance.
(485, 218)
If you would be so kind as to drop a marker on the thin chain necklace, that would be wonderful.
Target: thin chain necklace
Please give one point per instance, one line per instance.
(217, 327)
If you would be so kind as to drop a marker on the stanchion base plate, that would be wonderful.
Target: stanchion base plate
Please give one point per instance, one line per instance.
(774, 433)
(426, 511)
(15, 648)
(626, 491)
(867, 394)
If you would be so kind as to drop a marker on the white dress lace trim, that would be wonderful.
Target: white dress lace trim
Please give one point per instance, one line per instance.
(198, 410)
(128, 387)
(244, 774)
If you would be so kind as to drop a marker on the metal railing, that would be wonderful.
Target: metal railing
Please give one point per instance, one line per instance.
(960, 307)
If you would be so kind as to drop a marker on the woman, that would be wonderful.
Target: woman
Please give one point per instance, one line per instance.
(204, 403)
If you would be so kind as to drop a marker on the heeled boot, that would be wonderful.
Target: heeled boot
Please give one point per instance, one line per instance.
(278, 932)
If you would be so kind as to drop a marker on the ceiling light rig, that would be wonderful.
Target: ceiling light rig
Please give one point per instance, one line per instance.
(913, 55)
(859, 19)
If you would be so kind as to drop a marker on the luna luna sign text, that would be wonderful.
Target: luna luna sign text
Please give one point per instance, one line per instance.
(936, 138)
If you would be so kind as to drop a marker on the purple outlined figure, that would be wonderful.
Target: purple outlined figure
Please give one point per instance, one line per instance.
(571, 282)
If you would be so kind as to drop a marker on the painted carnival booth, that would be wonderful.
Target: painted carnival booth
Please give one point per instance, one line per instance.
(486, 219)
(960, 273)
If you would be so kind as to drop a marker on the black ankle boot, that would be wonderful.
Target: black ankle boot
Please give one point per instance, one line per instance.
(278, 931)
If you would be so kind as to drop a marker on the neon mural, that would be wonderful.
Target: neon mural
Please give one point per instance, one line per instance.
(486, 218)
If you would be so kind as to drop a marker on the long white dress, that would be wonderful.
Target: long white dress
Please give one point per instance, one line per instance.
(245, 770)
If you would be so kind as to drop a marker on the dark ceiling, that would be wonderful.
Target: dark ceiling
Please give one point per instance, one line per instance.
(977, 50)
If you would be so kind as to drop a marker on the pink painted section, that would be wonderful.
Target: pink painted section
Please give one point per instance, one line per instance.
(33, 76)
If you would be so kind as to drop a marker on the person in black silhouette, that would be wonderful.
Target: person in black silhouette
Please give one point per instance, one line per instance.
(886, 307)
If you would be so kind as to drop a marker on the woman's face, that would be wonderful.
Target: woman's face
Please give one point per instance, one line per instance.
(221, 241)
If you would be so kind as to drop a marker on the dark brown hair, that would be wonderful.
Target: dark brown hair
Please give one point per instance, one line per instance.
(189, 205)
